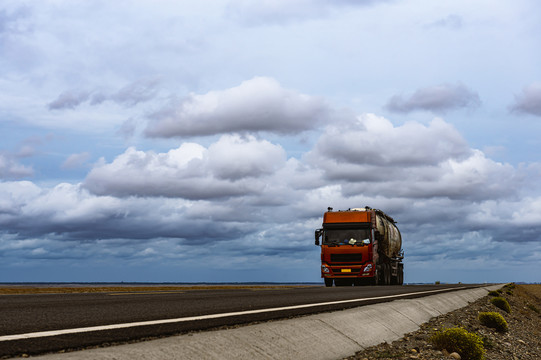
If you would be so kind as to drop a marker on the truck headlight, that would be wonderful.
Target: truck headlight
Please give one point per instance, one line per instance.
(325, 269)
(367, 268)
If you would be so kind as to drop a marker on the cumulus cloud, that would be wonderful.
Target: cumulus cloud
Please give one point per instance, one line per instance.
(234, 158)
(409, 161)
(529, 101)
(438, 98)
(228, 168)
(69, 212)
(256, 105)
(241, 195)
(452, 202)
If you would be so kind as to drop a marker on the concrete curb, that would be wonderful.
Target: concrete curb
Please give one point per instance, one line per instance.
(332, 335)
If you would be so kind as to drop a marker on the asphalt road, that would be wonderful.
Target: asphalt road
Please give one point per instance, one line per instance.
(32, 313)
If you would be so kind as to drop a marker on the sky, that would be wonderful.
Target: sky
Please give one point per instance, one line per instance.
(202, 141)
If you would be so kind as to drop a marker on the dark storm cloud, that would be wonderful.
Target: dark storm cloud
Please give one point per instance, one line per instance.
(438, 98)
(256, 105)
(515, 234)
(91, 217)
(529, 101)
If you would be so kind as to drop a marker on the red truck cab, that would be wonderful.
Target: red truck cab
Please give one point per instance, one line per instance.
(349, 249)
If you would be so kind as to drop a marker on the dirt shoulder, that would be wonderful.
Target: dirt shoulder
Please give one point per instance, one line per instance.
(51, 289)
(521, 341)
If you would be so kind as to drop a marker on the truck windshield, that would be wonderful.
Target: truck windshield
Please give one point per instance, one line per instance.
(346, 236)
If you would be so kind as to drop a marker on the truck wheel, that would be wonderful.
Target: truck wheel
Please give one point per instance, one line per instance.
(400, 274)
(376, 280)
(386, 274)
(328, 282)
(395, 280)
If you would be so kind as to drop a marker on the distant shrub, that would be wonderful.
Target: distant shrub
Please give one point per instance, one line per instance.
(493, 320)
(468, 345)
(510, 286)
(437, 282)
(501, 303)
(494, 293)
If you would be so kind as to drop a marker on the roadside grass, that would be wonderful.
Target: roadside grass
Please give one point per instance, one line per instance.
(501, 303)
(468, 345)
(531, 290)
(474, 346)
(493, 320)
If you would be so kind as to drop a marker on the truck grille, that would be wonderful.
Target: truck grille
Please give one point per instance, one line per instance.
(339, 258)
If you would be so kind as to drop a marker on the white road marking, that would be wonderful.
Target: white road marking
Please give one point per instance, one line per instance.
(202, 317)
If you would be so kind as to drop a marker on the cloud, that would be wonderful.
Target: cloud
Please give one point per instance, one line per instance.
(452, 21)
(242, 192)
(438, 98)
(234, 158)
(256, 105)
(82, 70)
(71, 213)
(10, 168)
(282, 11)
(129, 95)
(76, 160)
(13, 22)
(228, 168)
(409, 161)
(69, 100)
(529, 101)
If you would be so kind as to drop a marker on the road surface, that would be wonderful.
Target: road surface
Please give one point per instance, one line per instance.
(38, 323)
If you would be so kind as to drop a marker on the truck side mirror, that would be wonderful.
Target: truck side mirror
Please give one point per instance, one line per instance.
(318, 235)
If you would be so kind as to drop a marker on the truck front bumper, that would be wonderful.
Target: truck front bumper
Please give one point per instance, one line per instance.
(345, 271)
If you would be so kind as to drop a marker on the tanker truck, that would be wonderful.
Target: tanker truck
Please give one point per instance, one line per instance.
(360, 246)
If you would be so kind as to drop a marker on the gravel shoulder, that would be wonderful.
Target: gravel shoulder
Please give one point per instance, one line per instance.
(521, 341)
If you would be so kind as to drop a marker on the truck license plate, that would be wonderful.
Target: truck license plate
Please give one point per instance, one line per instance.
(346, 270)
